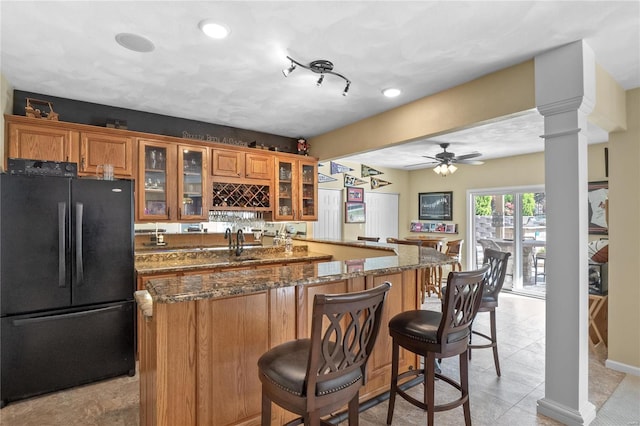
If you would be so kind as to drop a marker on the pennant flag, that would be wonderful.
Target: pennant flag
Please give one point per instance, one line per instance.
(378, 183)
(339, 168)
(322, 178)
(368, 171)
(352, 180)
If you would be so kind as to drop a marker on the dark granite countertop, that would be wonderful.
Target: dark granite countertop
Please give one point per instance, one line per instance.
(169, 261)
(223, 284)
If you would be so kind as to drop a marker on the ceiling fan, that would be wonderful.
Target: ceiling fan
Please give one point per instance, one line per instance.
(445, 160)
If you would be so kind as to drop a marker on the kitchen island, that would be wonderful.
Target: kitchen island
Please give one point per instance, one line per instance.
(203, 333)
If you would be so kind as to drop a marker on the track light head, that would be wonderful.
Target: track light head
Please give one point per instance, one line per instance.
(288, 71)
(346, 89)
(320, 80)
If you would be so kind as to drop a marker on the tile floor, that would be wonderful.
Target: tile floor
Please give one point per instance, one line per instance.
(509, 400)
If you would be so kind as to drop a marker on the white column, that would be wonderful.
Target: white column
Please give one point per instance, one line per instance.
(565, 95)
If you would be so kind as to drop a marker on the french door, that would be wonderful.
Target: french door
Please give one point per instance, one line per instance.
(512, 220)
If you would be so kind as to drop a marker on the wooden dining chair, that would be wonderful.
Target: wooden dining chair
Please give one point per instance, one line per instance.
(433, 279)
(317, 376)
(454, 251)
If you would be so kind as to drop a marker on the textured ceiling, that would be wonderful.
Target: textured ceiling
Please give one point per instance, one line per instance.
(68, 49)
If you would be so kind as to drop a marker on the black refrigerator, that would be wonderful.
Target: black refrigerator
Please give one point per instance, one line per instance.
(66, 283)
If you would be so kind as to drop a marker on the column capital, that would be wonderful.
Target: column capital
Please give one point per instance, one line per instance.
(566, 79)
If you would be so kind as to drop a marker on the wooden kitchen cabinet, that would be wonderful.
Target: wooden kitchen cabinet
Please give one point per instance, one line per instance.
(242, 165)
(172, 181)
(99, 148)
(296, 186)
(41, 140)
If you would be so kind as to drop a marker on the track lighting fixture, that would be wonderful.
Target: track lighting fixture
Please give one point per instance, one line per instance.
(320, 66)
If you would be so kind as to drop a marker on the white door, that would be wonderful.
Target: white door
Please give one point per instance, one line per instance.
(329, 224)
(381, 215)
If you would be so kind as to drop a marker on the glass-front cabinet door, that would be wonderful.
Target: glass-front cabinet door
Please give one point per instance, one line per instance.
(286, 187)
(154, 180)
(296, 190)
(192, 163)
(308, 190)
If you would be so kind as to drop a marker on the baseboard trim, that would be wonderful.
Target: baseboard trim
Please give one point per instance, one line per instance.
(624, 368)
(566, 415)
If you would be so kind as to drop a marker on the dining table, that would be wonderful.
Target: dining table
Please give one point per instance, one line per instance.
(528, 252)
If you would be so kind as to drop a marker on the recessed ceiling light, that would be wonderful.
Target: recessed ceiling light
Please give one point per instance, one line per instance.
(214, 30)
(135, 42)
(391, 93)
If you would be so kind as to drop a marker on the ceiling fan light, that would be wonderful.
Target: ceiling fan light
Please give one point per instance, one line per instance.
(452, 168)
(438, 169)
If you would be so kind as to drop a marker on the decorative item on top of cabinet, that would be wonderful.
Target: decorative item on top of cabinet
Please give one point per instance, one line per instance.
(98, 148)
(32, 112)
(240, 164)
(296, 187)
(41, 140)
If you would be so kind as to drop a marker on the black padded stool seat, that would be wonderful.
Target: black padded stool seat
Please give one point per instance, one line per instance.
(315, 377)
(286, 366)
(435, 335)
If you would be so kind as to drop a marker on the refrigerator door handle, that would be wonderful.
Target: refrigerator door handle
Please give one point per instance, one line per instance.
(27, 321)
(62, 269)
(79, 268)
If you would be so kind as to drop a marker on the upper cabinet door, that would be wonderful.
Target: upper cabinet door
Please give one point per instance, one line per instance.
(156, 195)
(42, 141)
(192, 183)
(97, 149)
(259, 166)
(227, 162)
(308, 191)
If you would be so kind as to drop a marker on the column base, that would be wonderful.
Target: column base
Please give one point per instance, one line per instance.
(566, 415)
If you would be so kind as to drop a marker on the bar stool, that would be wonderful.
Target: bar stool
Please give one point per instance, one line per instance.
(316, 376)
(436, 335)
(497, 261)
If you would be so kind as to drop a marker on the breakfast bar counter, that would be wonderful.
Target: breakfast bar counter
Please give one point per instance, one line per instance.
(202, 333)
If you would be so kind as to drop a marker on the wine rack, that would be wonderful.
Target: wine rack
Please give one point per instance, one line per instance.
(240, 195)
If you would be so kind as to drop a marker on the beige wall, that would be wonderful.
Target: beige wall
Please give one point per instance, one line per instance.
(399, 181)
(624, 234)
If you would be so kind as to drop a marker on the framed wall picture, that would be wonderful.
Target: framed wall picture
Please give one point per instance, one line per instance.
(435, 205)
(598, 194)
(354, 212)
(355, 195)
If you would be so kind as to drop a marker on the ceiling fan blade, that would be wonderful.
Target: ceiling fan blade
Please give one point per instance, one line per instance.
(472, 162)
(428, 164)
(468, 156)
(431, 158)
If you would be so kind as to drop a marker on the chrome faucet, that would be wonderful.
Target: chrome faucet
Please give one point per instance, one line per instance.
(239, 242)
